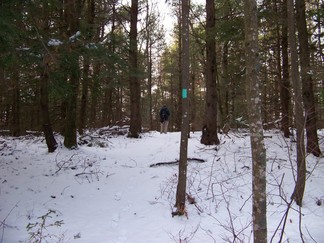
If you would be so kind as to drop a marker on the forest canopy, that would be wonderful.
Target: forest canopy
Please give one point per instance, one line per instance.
(69, 64)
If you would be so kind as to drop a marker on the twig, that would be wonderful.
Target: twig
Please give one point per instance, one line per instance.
(85, 173)
(210, 178)
(283, 220)
(3, 222)
(310, 235)
(64, 189)
(245, 202)
(62, 165)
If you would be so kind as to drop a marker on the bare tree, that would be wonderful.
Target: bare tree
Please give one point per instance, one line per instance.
(259, 202)
(182, 176)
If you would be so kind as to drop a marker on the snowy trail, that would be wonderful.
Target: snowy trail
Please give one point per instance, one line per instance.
(111, 194)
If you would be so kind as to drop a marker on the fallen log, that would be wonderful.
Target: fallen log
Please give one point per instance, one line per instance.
(176, 162)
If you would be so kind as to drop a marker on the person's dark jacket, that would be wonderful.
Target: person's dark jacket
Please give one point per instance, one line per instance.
(164, 114)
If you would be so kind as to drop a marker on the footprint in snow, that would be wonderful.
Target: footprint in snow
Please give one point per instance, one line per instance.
(115, 219)
(127, 207)
(118, 196)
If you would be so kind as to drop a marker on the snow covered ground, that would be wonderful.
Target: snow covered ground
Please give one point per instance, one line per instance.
(106, 191)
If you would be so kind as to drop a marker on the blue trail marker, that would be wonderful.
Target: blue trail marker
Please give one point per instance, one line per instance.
(184, 93)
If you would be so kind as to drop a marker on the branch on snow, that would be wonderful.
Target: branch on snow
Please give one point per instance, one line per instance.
(176, 162)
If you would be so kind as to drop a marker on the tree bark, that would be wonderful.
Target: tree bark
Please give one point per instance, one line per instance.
(284, 85)
(307, 81)
(89, 15)
(180, 48)
(299, 116)
(209, 133)
(148, 50)
(44, 107)
(259, 199)
(134, 83)
(84, 96)
(15, 129)
(72, 11)
(182, 175)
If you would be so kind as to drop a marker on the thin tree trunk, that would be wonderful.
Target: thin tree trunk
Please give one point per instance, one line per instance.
(209, 133)
(299, 116)
(15, 129)
(84, 97)
(319, 21)
(193, 102)
(307, 80)
(90, 15)
(226, 77)
(259, 199)
(47, 126)
(107, 109)
(284, 85)
(94, 90)
(179, 103)
(150, 85)
(149, 64)
(182, 175)
(134, 83)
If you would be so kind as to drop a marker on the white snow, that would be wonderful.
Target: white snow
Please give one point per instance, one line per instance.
(54, 42)
(91, 46)
(75, 36)
(109, 193)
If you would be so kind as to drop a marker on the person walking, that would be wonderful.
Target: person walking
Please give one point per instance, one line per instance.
(164, 119)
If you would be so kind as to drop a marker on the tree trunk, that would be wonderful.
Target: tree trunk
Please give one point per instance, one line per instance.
(180, 48)
(70, 131)
(182, 176)
(209, 132)
(14, 125)
(307, 80)
(84, 96)
(284, 85)
(72, 11)
(149, 64)
(134, 84)
(90, 14)
(47, 126)
(299, 116)
(259, 199)
(107, 109)
(94, 91)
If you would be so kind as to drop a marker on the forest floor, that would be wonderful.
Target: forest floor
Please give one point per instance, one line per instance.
(117, 189)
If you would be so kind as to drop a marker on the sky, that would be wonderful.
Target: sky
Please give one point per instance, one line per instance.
(169, 18)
